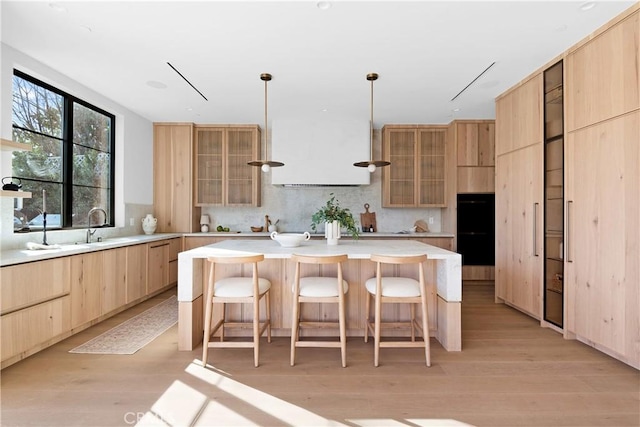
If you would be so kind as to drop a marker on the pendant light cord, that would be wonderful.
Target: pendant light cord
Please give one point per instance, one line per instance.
(265, 120)
(371, 123)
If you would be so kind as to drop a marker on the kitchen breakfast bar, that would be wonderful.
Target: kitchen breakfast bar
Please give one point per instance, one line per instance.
(442, 273)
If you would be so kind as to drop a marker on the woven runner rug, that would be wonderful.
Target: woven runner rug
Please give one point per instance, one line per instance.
(133, 334)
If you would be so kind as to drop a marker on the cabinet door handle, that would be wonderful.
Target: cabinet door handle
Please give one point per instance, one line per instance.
(160, 245)
(535, 229)
(568, 247)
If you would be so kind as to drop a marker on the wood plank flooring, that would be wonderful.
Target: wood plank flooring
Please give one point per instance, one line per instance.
(511, 372)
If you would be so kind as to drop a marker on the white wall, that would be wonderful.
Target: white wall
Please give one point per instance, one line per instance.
(134, 152)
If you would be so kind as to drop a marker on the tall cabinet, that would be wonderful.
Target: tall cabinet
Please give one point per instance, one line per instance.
(172, 178)
(602, 250)
(553, 195)
(590, 132)
(519, 194)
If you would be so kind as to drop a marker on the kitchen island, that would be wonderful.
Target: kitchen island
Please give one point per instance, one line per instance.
(442, 269)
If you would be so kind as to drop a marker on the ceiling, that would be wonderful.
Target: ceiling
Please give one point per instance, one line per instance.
(425, 52)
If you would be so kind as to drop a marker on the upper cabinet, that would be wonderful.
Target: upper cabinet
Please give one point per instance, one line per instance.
(417, 174)
(222, 175)
(475, 155)
(519, 116)
(597, 93)
(172, 176)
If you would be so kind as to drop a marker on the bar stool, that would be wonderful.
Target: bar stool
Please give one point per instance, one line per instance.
(315, 289)
(384, 289)
(236, 290)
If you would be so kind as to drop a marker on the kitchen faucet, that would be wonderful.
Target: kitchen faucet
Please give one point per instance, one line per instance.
(89, 232)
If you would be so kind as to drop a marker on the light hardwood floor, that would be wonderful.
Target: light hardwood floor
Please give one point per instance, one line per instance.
(511, 372)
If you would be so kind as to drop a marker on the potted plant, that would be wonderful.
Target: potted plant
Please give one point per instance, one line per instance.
(334, 216)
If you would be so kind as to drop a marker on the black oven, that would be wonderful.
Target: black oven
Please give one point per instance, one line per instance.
(476, 228)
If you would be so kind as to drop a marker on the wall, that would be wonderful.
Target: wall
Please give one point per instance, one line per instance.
(293, 206)
(134, 144)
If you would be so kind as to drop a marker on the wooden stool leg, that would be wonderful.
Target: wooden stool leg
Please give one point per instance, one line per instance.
(412, 309)
(367, 310)
(294, 328)
(376, 350)
(256, 330)
(343, 329)
(425, 329)
(267, 301)
(208, 318)
(224, 319)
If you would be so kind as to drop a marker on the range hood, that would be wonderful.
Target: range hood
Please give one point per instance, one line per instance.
(320, 152)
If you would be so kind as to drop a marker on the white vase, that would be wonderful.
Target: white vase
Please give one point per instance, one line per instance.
(149, 224)
(332, 232)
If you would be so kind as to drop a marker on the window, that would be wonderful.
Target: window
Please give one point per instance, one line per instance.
(72, 157)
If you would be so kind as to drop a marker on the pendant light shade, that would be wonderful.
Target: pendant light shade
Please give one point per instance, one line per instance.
(265, 164)
(372, 165)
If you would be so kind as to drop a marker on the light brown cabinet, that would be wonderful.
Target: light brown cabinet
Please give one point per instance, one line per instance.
(417, 174)
(519, 116)
(602, 253)
(158, 266)
(519, 197)
(35, 306)
(87, 281)
(136, 272)
(114, 287)
(172, 176)
(594, 231)
(518, 269)
(602, 166)
(475, 155)
(597, 93)
(46, 301)
(222, 175)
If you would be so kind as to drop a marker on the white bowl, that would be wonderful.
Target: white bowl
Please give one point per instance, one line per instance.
(290, 240)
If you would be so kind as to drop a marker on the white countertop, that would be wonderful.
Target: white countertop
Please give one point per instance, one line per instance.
(355, 249)
(448, 270)
(20, 256)
(376, 235)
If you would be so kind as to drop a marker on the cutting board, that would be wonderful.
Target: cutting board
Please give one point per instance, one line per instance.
(368, 219)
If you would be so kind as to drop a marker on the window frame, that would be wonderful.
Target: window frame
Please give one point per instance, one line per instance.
(67, 152)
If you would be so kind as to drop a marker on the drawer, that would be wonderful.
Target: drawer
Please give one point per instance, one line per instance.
(31, 327)
(28, 284)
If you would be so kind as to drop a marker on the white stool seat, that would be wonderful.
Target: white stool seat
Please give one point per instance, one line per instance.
(402, 287)
(239, 287)
(321, 287)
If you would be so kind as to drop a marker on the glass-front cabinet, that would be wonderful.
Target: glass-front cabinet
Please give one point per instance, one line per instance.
(553, 195)
(223, 177)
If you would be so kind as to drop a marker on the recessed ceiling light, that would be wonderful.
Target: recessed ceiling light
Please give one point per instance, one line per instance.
(587, 5)
(324, 5)
(189, 108)
(57, 7)
(156, 85)
(455, 110)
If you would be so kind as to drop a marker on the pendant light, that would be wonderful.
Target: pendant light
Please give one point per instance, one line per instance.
(371, 165)
(265, 164)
